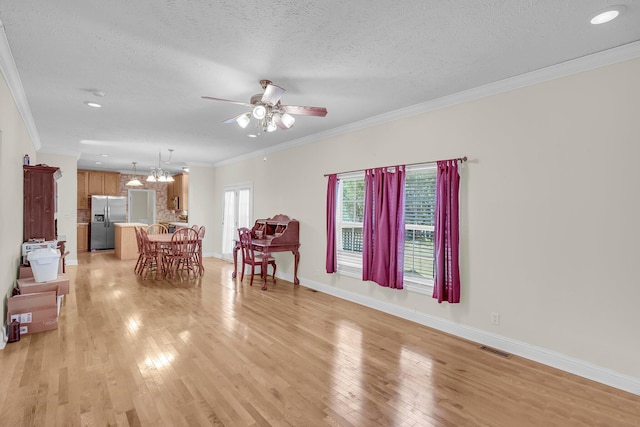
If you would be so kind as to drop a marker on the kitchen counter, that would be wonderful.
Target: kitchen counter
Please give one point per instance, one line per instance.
(180, 224)
(130, 224)
(126, 245)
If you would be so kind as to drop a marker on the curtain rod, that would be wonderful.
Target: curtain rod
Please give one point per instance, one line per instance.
(461, 159)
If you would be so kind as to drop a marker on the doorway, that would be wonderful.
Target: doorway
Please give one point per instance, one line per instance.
(238, 208)
(142, 206)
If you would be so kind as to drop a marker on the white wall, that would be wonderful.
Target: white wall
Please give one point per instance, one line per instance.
(203, 209)
(550, 212)
(14, 144)
(67, 200)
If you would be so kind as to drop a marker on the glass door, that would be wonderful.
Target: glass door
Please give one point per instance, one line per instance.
(238, 201)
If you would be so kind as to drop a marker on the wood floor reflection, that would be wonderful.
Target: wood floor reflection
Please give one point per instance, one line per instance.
(215, 351)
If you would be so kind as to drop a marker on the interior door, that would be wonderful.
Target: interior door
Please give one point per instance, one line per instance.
(142, 206)
(238, 208)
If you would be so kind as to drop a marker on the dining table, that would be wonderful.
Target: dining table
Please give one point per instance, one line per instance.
(163, 241)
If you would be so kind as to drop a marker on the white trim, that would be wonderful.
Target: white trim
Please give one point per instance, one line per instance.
(71, 262)
(3, 337)
(586, 63)
(522, 349)
(11, 76)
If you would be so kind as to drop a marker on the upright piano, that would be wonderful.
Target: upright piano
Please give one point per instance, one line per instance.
(277, 234)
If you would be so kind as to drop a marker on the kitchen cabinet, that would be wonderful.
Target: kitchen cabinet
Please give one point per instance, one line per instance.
(83, 190)
(181, 191)
(83, 237)
(171, 200)
(103, 183)
(40, 202)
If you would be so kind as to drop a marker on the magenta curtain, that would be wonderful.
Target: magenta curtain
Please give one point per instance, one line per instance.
(383, 227)
(332, 190)
(447, 233)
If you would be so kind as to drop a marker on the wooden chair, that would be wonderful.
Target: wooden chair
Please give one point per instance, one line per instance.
(138, 267)
(183, 253)
(157, 229)
(250, 258)
(201, 231)
(150, 258)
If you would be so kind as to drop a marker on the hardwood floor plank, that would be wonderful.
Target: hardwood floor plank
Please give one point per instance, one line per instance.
(217, 352)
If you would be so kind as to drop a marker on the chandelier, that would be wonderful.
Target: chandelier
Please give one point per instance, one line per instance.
(158, 174)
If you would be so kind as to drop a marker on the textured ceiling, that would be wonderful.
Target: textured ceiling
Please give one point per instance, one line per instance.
(155, 59)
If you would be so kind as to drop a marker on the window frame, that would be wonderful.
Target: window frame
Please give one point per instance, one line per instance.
(349, 262)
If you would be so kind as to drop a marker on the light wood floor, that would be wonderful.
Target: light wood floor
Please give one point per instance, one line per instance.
(217, 352)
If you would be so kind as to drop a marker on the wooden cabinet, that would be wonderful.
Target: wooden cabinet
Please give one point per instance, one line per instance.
(40, 202)
(112, 183)
(103, 183)
(83, 237)
(83, 190)
(181, 191)
(171, 199)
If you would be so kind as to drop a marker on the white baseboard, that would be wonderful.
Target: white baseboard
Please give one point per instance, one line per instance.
(71, 261)
(522, 349)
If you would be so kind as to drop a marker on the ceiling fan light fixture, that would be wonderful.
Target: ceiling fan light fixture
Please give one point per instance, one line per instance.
(268, 111)
(259, 112)
(287, 119)
(243, 120)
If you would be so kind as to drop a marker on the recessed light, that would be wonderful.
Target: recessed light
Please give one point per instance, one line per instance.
(92, 104)
(104, 155)
(251, 135)
(607, 15)
(98, 163)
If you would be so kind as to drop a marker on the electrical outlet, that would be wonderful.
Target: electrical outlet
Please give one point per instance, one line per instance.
(495, 318)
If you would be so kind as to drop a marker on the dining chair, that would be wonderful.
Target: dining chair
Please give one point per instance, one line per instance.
(201, 231)
(137, 268)
(250, 258)
(183, 253)
(151, 259)
(157, 229)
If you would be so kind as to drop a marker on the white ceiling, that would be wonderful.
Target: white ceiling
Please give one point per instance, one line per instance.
(154, 60)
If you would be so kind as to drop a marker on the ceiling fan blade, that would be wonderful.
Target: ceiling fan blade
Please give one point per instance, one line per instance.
(304, 111)
(272, 94)
(227, 100)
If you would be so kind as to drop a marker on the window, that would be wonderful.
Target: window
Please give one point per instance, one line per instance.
(420, 199)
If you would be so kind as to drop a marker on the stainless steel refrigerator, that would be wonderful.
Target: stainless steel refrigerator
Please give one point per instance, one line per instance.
(105, 212)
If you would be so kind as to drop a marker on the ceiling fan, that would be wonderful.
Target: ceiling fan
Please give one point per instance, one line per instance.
(267, 109)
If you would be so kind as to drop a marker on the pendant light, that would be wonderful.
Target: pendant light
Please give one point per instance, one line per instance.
(135, 182)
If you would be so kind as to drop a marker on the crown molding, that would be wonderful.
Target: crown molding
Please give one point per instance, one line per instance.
(585, 63)
(11, 76)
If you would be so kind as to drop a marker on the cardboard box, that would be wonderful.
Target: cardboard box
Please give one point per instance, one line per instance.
(32, 328)
(28, 285)
(36, 312)
(25, 271)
